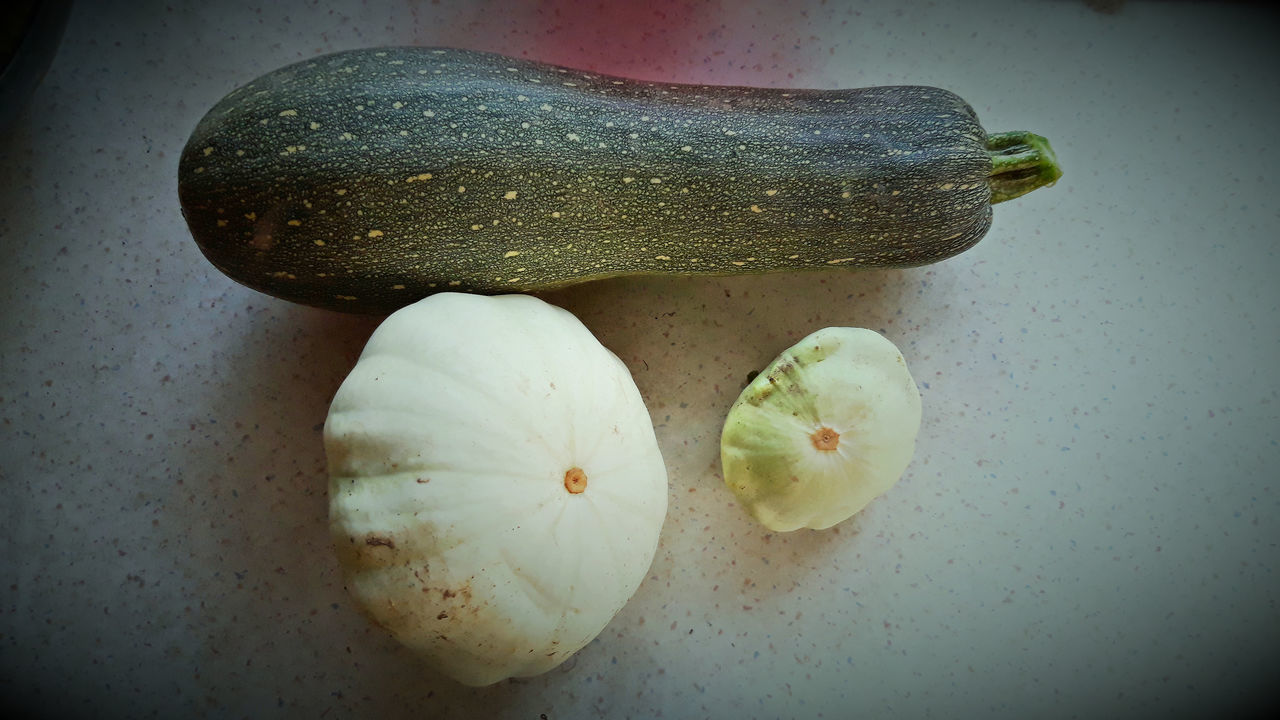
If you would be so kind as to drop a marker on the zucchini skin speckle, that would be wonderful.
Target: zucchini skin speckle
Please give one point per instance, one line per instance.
(365, 180)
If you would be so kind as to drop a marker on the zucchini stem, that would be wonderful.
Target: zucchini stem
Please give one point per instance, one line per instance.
(1020, 162)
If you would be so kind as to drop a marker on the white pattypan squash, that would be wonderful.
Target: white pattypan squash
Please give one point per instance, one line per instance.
(496, 489)
(830, 425)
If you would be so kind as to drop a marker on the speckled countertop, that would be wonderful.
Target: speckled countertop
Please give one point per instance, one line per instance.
(1089, 527)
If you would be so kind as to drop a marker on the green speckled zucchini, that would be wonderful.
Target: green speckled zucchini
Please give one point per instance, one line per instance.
(365, 180)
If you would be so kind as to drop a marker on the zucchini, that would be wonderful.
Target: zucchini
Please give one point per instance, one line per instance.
(368, 179)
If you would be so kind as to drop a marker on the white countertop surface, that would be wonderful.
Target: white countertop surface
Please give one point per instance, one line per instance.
(1089, 527)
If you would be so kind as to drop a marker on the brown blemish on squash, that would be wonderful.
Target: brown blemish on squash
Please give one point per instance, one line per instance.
(575, 480)
(377, 540)
(825, 439)
(426, 568)
(463, 590)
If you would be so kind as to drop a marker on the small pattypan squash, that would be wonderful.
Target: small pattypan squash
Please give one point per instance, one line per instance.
(830, 425)
(496, 488)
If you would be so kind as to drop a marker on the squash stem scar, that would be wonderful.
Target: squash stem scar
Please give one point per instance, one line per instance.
(825, 439)
(575, 480)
